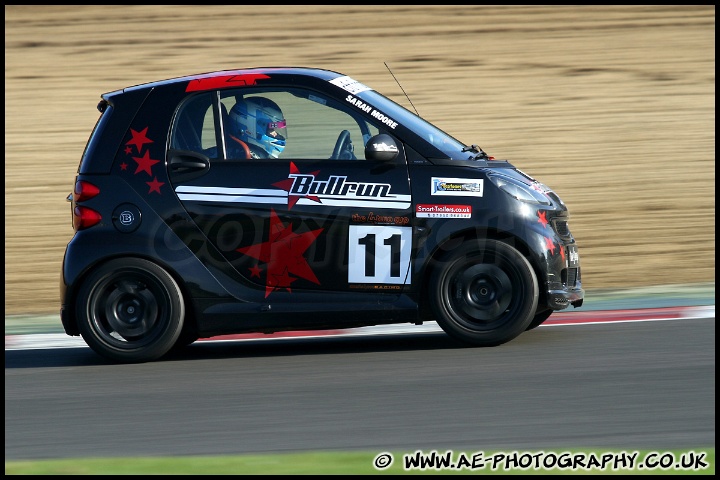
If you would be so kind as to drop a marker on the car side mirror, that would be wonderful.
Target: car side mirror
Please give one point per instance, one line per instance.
(382, 148)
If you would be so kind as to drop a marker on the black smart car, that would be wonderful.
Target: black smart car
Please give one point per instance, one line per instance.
(271, 199)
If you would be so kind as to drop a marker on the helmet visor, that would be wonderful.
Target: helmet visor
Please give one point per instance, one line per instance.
(277, 129)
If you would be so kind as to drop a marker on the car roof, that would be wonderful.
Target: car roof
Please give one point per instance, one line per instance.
(317, 73)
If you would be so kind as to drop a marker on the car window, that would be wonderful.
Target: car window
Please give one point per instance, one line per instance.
(312, 124)
(194, 127)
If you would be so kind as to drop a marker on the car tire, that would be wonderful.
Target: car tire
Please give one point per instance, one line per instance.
(484, 293)
(185, 339)
(540, 316)
(130, 310)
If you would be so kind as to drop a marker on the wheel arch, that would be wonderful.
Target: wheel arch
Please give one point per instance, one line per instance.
(72, 328)
(472, 234)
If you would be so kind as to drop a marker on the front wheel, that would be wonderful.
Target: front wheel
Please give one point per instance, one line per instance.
(130, 310)
(540, 316)
(485, 293)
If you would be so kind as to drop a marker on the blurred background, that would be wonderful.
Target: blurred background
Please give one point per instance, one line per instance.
(611, 106)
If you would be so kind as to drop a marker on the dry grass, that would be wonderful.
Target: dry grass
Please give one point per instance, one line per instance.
(612, 106)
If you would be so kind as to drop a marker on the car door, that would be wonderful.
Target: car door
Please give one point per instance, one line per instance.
(317, 217)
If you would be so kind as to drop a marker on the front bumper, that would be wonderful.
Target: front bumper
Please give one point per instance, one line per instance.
(565, 288)
(562, 299)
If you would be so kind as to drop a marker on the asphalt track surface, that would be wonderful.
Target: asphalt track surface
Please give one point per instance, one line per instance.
(618, 382)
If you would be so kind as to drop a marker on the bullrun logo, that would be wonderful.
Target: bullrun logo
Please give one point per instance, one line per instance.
(337, 190)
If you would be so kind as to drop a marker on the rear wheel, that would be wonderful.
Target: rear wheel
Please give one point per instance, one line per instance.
(484, 293)
(130, 310)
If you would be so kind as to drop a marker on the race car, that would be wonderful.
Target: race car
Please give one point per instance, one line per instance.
(292, 198)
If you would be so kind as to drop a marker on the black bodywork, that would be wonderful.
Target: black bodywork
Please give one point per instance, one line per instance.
(190, 242)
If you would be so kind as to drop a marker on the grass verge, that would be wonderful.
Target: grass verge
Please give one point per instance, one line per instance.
(359, 463)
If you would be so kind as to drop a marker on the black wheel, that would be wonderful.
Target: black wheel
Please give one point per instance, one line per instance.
(484, 293)
(187, 337)
(540, 316)
(343, 147)
(130, 310)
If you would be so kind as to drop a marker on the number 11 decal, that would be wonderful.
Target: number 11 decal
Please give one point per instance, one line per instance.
(379, 254)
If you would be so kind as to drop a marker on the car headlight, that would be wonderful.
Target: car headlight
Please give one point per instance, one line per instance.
(519, 190)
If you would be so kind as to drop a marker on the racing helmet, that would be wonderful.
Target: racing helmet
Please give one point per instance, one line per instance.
(259, 121)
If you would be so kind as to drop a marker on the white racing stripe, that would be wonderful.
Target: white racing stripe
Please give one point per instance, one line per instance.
(278, 197)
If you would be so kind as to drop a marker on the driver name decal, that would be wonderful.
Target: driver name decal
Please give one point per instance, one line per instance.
(373, 113)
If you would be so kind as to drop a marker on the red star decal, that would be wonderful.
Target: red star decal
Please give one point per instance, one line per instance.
(123, 166)
(282, 280)
(562, 252)
(145, 163)
(283, 253)
(155, 185)
(128, 150)
(288, 183)
(139, 139)
(542, 219)
(255, 271)
(550, 245)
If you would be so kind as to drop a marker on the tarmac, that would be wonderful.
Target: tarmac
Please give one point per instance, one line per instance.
(658, 302)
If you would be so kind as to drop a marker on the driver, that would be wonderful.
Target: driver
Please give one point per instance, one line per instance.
(257, 128)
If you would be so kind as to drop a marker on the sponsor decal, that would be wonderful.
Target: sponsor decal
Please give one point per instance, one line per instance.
(539, 187)
(443, 211)
(308, 186)
(373, 113)
(126, 217)
(461, 187)
(305, 189)
(332, 189)
(384, 147)
(350, 85)
(380, 219)
(383, 288)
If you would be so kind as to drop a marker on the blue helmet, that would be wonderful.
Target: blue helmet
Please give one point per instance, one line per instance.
(259, 121)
